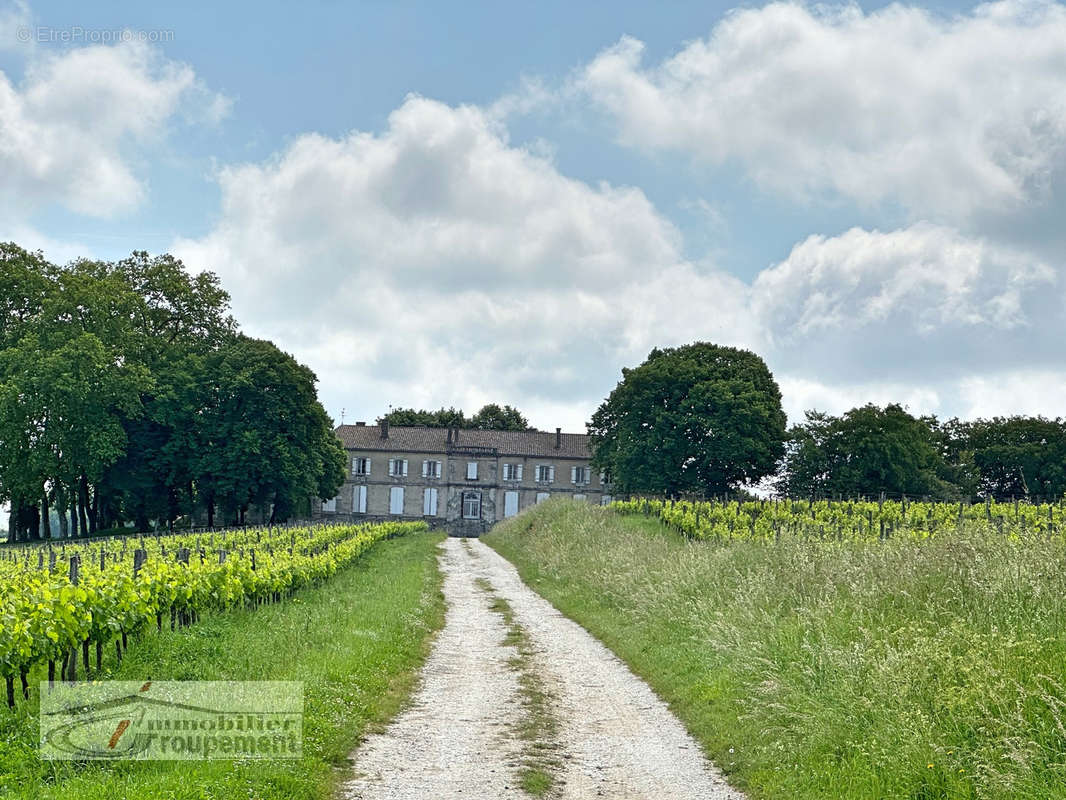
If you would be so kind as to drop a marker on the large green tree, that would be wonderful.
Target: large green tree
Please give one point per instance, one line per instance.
(68, 382)
(181, 320)
(698, 419)
(1016, 456)
(126, 393)
(264, 438)
(865, 451)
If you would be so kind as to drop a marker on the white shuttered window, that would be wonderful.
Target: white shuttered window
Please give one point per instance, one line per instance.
(396, 500)
(429, 502)
(359, 499)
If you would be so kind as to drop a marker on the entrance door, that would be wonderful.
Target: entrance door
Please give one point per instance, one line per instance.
(510, 504)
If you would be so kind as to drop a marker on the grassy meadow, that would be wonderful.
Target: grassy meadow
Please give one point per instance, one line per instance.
(826, 669)
(356, 641)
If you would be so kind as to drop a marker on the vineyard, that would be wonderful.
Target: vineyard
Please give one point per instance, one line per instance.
(59, 599)
(851, 520)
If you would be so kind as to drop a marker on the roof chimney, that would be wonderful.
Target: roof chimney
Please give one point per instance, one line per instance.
(384, 429)
(360, 424)
(558, 438)
(449, 434)
(455, 436)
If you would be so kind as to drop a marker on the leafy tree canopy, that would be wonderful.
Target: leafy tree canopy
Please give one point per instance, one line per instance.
(695, 419)
(490, 417)
(866, 451)
(127, 393)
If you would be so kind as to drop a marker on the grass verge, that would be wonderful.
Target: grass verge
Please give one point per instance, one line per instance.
(538, 727)
(356, 641)
(919, 670)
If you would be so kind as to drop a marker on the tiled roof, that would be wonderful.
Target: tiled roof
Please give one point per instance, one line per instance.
(435, 440)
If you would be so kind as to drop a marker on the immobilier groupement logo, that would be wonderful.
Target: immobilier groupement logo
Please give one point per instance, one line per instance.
(172, 720)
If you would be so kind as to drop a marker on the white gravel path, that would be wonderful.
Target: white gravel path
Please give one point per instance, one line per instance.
(617, 739)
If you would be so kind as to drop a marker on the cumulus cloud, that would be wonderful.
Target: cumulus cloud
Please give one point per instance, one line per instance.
(923, 301)
(70, 130)
(437, 263)
(942, 116)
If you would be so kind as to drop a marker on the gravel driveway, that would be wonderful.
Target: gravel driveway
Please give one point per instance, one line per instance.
(615, 738)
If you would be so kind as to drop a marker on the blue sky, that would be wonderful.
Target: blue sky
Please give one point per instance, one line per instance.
(449, 206)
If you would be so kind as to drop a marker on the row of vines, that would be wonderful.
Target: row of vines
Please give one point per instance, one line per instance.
(57, 600)
(853, 520)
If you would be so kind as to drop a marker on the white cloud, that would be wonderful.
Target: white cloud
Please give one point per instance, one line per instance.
(1003, 392)
(1026, 391)
(802, 394)
(923, 279)
(944, 116)
(924, 301)
(70, 130)
(435, 263)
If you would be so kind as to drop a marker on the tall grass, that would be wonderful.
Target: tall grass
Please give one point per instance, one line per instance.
(898, 669)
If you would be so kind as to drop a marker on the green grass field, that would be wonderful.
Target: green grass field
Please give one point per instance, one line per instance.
(900, 669)
(356, 641)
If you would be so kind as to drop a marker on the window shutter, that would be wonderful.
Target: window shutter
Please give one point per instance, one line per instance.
(518, 476)
(573, 474)
(405, 467)
(551, 474)
(368, 466)
(425, 469)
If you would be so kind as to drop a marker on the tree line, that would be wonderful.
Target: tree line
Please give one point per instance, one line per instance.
(491, 417)
(705, 420)
(871, 449)
(128, 394)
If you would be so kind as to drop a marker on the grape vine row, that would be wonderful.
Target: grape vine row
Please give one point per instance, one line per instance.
(58, 597)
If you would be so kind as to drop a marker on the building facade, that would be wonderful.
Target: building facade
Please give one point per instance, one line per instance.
(466, 480)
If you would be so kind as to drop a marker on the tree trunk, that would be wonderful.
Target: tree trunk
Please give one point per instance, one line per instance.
(33, 522)
(72, 505)
(83, 501)
(46, 518)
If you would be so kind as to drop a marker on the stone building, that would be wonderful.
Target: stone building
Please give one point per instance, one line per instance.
(463, 479)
